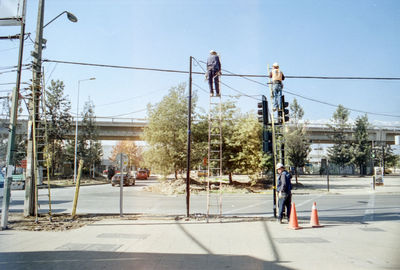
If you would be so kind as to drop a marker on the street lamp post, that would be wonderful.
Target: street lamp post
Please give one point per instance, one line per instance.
(76, 125)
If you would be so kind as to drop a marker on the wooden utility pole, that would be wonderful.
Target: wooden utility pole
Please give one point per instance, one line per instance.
(29, 203)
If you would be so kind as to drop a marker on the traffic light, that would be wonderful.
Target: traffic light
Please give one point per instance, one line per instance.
(267, 141)
(263, 111)
(283, 113)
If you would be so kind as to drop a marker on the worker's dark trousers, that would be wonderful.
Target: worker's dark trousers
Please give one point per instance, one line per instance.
(285, 201)
(212, 77)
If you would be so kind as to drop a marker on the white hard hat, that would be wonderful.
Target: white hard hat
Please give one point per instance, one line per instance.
(275, 64)
(279, 165)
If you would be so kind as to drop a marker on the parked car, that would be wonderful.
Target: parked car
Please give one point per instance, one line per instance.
(142, 174)
(128, 179)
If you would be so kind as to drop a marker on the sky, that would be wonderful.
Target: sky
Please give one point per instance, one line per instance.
(307, 38)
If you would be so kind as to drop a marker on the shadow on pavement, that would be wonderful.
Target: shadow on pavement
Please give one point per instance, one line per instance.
(83, 259)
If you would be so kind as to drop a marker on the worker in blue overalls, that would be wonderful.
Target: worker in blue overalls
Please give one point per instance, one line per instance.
(213, 72)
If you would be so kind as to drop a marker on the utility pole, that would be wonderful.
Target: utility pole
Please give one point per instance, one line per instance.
(12, 127)
(189, 135)
(30, 186)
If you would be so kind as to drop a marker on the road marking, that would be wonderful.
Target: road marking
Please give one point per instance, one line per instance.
(246, 207)
(369, 212)
(310, 200)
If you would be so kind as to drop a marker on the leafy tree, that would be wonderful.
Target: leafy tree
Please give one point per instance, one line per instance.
(59, 119)
(297, 146)
(245, 153)
(361, 148)
(340, 152)
(386, 156)
(133, 151)
(166, 132)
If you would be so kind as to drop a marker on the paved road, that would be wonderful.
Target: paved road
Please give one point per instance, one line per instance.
(361, 231)
(350, 206)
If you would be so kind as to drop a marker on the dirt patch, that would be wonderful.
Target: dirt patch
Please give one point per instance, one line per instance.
(176, 187)
(57, 222)
(64, 222)
(69, 182)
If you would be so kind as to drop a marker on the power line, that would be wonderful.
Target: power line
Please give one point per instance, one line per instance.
(245, 76)
(334, 105)
(231, 74)
(142, 110)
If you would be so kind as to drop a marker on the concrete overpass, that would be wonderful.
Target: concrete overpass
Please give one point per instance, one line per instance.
(132, 129)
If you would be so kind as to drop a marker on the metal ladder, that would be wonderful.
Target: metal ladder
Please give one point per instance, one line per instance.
(40, 141)
(214, 161)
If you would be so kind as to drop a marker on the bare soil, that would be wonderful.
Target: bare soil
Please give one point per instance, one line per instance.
(178, 186)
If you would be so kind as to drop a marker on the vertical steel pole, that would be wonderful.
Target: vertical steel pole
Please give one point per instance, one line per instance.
(13, 127)
(327, 173)
(121, 186)
(189, 133)
(274, 149)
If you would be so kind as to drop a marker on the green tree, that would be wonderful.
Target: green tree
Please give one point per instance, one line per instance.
(166, 132)
(386, 157)
(244, 144)
(89, 147)
(361, 148)
(59, 119)
(340, 152)
(297, 146)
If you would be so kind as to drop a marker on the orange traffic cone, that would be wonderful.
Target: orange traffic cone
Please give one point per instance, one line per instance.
(293, 223)
(314, 217)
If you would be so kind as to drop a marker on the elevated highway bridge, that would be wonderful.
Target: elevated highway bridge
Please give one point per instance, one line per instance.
(132, 129)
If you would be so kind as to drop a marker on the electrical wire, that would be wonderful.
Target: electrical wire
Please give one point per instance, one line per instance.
(127, 99)
(142, 110)
(231, 74)
(245, 76)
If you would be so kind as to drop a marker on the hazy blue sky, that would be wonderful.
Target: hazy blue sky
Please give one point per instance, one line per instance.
(314, 37)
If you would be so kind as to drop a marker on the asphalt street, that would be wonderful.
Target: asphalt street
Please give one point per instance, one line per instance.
(360, 231)
(104, 199)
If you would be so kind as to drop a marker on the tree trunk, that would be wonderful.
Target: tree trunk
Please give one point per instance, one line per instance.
(230, 178)
(295, 173)
(176, 175)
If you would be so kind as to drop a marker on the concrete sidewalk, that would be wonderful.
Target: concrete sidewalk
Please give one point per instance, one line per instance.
(231, 244)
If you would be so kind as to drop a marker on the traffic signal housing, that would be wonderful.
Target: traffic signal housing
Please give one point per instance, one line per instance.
(283, 114)
(267, 141)
(263, 111)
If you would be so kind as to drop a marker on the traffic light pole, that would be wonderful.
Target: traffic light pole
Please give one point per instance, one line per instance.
(12, 128)
(273, 152)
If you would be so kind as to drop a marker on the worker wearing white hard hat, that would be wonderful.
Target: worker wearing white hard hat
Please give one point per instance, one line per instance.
(284, 189)
(213, 72)
(277, 77)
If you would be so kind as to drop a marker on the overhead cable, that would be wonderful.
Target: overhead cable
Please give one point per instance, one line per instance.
(232, 74)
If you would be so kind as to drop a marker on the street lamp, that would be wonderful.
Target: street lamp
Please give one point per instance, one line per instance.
(76, 124)
(70, 17)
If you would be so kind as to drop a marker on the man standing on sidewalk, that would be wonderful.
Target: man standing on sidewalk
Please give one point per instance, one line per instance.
(277, 77)
(213, 72)
(284, 191)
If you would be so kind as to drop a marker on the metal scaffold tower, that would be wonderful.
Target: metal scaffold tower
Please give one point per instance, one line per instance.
(214, 164)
